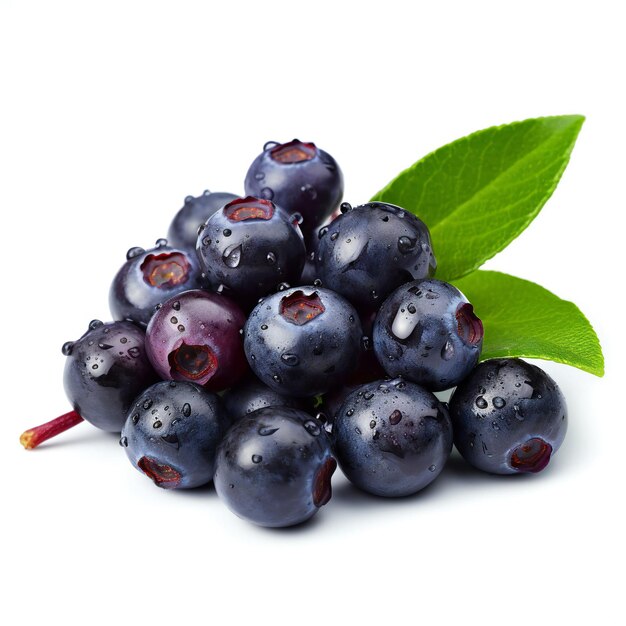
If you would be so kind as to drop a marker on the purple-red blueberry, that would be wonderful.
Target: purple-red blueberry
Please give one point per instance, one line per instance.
(195, 337)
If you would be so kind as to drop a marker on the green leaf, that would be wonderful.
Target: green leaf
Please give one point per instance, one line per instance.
(478, 193)
(525, 320)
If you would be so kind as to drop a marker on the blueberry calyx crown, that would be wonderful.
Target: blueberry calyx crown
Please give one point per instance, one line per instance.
(193, 362)
(161, 474)
(299, 308)
(294, 151)
(470, 327)
(165, 270)
(249, 208)
(531, 456)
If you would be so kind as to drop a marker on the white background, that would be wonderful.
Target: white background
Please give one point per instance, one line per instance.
(110, 114)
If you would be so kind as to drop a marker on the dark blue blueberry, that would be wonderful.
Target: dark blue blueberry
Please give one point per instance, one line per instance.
(105, 370)
(303, 341)
(150, 277)
(300, 178)
(392, 438)
(509, 417)
(427, 332)
(195, 337)
(370, 250)
(252, 395)
(172, 432)
(274, 467)
(183, 231)
(250, 247)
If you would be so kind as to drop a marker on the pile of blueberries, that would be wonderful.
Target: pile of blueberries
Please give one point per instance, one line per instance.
(273, 336)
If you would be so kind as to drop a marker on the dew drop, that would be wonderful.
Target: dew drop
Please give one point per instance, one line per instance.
(499, 402)
(395, 417)
(432, 468)
(447, 352)
(227, 232)
(290, 359)
(232, 256)
(124, 442)
(481, 403)
(157, 424)
(271, 258)
(267, 193)
(133, 252)
(312, 428)
(265, 431)
(257, 458)
(176, 305)
(186, 409)
(403, 325)
(67, 348)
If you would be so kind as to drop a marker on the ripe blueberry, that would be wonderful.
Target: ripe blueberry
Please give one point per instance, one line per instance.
(370, 250)
(148, 278)
(299, 177)
(302, 341)
(251, 246)
(274, 467)
(183, 231)
(172, 432)
(392, 438)
(509, 417)
(427, 332)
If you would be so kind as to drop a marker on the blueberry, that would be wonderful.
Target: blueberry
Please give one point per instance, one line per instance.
(195, 337)
(251, 394)
(300, 178)
(183, 231)
(105, 370)
(303, 341)
(250, 247)
(172, 432)
(509, 417)
(370, 250)
(427, 332)
(274, 467)
(148, 278)
(392, 438)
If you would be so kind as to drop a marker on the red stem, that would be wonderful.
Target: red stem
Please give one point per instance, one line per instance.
(32, 437)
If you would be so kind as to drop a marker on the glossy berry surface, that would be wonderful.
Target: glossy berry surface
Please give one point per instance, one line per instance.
(183, 231)
(251, 395)
(303, 341)
(299, 177)
(195, 337)
(105, 370)
(172, 432)
(392, 438)
(274, 467)
(370, 250)
(427, 332)
(150, 277)
(250, 247)
(509, 417)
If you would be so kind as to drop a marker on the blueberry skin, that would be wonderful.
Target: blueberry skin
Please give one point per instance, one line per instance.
(252, 395)
(105, 370)
(195, 337)
(148, 278)
(274, 467)
(310, 183)
(370, 250)
(392, 438)
(250, 256)
(427, 332)
(183, 231)
(509, 417)
(308, 355)
(172, 432)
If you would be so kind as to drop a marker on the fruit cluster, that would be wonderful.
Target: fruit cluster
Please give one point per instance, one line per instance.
(273, 336)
